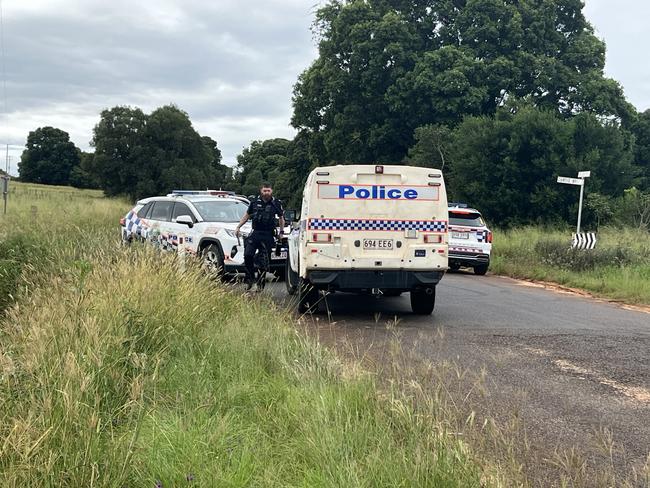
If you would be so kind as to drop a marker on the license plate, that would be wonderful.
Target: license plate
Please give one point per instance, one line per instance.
(460, 235)
(283, 255)
(378, 244)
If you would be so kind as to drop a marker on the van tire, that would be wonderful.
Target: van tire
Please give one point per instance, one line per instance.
(291, 278)
(307, 297)
(423, 303)
(481, 269)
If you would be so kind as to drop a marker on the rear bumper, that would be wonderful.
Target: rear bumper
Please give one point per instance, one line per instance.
(360, 280)
(468, 258)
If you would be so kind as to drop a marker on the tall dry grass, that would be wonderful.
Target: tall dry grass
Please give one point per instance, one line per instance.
(124, 367)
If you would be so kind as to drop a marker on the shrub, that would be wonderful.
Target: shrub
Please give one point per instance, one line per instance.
(558, 253)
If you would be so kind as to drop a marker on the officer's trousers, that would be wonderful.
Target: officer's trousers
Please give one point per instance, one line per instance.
(259, 239)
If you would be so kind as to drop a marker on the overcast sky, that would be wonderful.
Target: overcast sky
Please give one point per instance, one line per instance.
(230, 64)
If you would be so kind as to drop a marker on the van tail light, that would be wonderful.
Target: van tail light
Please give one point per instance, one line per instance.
(122, 221)
(321, 237)
(433, 238)
(489, 237)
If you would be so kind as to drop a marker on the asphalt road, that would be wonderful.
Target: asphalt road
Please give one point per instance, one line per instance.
(567, 376)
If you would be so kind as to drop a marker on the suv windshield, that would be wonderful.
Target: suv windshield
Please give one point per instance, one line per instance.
(221, 211)
(466, 219)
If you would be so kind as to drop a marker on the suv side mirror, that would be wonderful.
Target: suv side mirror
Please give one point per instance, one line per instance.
(185, 219)
(290, 215)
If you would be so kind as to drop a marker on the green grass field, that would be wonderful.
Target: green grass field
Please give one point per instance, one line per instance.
(120, 367)
(619, 267)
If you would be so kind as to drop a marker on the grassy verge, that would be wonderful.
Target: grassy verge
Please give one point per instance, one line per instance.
(123, 368)
(619, 267)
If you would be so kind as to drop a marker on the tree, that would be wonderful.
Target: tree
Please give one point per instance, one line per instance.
(49, 157)
(263, 161)
(507, 165)
(173, 154)
(283, 163)
(601, 206)
(142, 155)
(431, 148)
(118, 142)
(641, 131)
(82, 175)
(386, 68)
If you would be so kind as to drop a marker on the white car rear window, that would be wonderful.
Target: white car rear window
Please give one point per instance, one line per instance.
(466, 219)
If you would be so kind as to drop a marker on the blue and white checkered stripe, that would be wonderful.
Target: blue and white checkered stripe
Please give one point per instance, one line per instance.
(372, 224)
(132, 221)
(481, 235)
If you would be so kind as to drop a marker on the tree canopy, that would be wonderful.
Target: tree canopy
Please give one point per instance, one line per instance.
(141, 155)
(49, 157)
(386, 68)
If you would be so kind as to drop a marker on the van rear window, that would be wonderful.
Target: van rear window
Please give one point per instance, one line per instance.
(466, 219)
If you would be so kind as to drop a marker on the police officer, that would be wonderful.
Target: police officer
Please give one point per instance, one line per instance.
(262, 212)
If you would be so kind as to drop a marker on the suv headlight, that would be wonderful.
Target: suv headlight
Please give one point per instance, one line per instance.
(233, 234)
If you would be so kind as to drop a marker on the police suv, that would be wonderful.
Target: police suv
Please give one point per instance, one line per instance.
(199, 223)
(470, 241)
(370, 229)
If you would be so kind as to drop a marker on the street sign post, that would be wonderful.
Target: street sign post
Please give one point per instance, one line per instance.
(579, 181)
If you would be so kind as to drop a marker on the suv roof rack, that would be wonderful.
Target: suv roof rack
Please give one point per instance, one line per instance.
(458, 204)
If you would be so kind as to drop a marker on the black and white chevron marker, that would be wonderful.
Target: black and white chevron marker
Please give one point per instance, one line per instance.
(584, 240)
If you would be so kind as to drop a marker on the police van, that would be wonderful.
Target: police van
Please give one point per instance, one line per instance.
(370, 229)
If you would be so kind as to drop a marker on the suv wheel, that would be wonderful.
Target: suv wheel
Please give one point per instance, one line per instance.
(213, 260)
(481, 269)
(423, 301)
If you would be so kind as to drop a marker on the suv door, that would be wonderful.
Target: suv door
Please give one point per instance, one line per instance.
(181, 234)
(160, 217)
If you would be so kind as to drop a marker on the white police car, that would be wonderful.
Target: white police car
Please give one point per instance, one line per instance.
(470, 241)
(199, 223)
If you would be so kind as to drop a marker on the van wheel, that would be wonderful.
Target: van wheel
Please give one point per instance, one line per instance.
(213, 260)
(422, 303)
(307, 297)
(481, 270)
(290, 278)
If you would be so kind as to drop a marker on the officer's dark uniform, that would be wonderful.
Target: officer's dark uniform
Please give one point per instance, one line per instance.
(262, 215)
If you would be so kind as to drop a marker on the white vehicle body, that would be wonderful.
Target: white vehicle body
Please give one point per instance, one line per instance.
(379, 229)
(470, 241)
(213, 222)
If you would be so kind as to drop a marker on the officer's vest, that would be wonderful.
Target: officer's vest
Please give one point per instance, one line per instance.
(264, 216)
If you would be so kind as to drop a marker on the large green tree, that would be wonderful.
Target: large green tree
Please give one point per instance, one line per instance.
(49, 157)
(281, 162)
(118, 142)
(507, 165)
(141, 155)
(386, 68)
